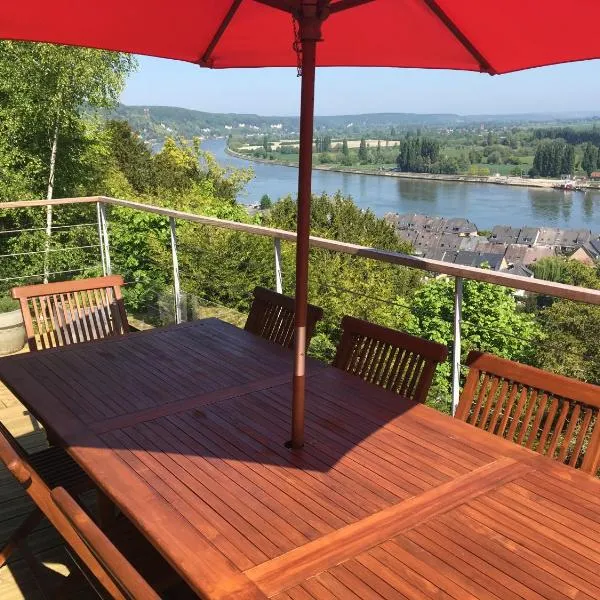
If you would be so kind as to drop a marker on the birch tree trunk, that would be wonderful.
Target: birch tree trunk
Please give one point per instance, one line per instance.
(49, 207)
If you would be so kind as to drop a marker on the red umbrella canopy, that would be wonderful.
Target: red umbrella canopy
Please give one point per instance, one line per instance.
(495, 37)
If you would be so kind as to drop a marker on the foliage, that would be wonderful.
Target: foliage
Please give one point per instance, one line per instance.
(552, 159)
(418, 155)
(342, 284)
(7, 304)
(492, 321)
(563, 270)
(44, 90)
(572, 340)
(571, 330)
(589, 162)
(265, 202)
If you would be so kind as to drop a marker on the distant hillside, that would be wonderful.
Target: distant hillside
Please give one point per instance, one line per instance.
(157, 122)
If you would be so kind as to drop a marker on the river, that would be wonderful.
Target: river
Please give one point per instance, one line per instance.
(485, 205)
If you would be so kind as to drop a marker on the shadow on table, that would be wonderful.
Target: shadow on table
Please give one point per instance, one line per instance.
(342, 412)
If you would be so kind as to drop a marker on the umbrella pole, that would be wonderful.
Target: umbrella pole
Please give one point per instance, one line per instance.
(309, 47)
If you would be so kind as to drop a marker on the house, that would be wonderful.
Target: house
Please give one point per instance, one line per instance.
(588, 253)
(595, 175)
(526, 255)
(550, 236)
(426, 241)
(472, 242)
(528, 236)
(520, 270)
(504, 234)
(408, 235)
(495, 262)
(461, 227)
(572, 238)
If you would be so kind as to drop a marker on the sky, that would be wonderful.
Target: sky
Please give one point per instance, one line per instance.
(569, 87)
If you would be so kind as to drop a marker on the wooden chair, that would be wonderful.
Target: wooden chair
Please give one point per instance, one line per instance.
(394, 360)
(131, 585)
(69, 312)
(37, 473)
(272, 317)
(554, 415)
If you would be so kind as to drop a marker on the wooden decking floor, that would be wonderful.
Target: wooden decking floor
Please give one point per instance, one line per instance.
(17, 582)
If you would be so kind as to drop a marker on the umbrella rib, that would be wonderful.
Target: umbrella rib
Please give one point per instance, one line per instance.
(204, 61)
(345, 4)
(461, 37)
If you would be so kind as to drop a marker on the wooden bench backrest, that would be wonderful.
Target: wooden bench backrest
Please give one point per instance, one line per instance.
(554, 415)
(394, 360)
(272, 317)
(69, 312)
(15, 460)
(132, 585)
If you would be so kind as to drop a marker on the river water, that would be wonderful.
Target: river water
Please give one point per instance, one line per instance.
(485, 205)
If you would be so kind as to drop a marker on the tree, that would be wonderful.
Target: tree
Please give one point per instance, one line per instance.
(363, 152)
(265, 202)
(345, 150)
(491, 321)
(44, 91)
(571, 330)
(589, 162)
(568, 160)
(571, 340)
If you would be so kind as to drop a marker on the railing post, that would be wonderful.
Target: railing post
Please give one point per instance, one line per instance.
(458, 294)
(101, 237)
(278, 277)
(176, 288)
(104, 245)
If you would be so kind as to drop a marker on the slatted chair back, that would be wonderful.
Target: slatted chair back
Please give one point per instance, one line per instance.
(15, 460)
(394, 360)
(272, 317)
(69, 312)
(131, 584)
(554, 415)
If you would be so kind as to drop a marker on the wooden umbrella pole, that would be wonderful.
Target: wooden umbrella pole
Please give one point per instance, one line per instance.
(310, 26)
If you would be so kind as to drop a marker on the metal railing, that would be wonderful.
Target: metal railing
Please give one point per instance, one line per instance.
(458, 272)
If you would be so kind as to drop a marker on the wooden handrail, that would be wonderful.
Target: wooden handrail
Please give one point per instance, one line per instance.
(550, 288)
(53, 202)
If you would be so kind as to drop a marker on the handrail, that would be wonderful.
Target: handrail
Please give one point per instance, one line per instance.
(550, 288)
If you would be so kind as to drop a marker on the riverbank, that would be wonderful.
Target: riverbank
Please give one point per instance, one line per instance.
(495, 180)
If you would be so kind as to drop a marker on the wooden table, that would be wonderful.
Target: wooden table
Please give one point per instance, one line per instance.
(184, 429)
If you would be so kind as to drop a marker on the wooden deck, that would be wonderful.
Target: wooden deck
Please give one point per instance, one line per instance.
(16, 579)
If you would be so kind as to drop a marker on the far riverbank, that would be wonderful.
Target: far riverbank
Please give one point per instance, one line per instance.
(492, 179)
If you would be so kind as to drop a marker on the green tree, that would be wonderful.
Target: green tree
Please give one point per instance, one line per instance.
(571, 330)
(492, 322)
(345, 150)
(363, 152)
(45, 91)
(568, 160)
(265, 202)
(589, 162)
(571, 340)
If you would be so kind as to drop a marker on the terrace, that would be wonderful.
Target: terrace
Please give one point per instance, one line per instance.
(377, 471)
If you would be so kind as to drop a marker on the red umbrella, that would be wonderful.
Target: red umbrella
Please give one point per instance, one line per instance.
(491, 37)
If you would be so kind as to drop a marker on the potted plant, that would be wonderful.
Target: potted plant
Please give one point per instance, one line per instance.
(12, 330)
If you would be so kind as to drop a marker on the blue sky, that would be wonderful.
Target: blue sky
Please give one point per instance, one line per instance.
(347, 91)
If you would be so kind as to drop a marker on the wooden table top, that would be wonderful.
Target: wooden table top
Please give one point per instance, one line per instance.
(184, 429)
